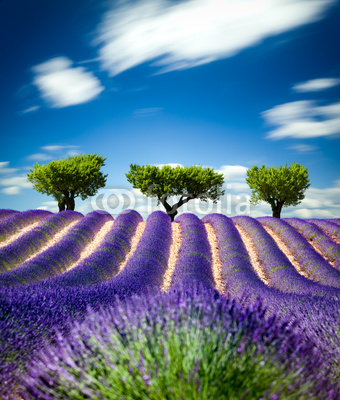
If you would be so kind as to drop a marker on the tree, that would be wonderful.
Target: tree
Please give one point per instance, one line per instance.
(189, 183)
(69, 178)
(280, 187)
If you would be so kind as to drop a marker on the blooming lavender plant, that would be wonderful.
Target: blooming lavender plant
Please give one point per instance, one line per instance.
(331, 228)
(238, 275)
(104, 262)
(148, 263)
(58, 257)
(194, 257)
(5, 213)
(310, 261)
(18, 220)
(282, 274)
(189, 343)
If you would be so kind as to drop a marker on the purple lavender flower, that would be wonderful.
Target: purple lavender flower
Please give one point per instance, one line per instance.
(104, 262)
(282, 274)
(57, 258)
(194, 257)
(18, 220)
(289, 230)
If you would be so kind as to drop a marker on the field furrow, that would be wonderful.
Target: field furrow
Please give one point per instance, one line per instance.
(216, 261)
(20, 233)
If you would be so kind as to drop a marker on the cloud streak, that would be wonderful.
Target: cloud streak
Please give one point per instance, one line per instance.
(62, 85)
(303, 119)
(195, 32)
(316, 85)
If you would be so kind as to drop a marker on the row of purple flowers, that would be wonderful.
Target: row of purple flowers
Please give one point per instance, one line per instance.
(310, 261)
(194, 257)
(104, 262)
(32, 241)
(332, 228)
(281, 273)
(14, 221)
(58, 257)
(5, 213)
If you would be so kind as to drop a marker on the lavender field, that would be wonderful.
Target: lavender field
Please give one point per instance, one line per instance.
(93, 307)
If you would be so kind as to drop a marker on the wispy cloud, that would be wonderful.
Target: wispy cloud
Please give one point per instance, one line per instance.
(62, 85)
(30, 109)
(4, 168)
(233, 172)
(303, 148)
(58, 147)
(185, 34)
(316, 85)
(11, 190)
(147, 112)
(39, 157)
(303, 119)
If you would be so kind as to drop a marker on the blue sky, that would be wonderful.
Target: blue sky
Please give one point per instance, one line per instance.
(221, 83)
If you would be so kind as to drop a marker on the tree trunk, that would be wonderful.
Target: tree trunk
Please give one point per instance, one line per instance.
(276, 208)
(69, 200)
(61, 205)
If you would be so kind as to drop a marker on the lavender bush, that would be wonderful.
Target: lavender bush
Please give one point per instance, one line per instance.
(194, 257)
(18, 220)
(310, 261)
(58, 257)
(5, 213)
(187, 344)
(282, 275)
(148, 263)
(331, 228)
(104, 262)
(29, 243)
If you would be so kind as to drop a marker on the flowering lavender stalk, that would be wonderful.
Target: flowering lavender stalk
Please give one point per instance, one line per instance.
(18, 220)
(310, 261)
(194, 257)
(186, 344)
(282, 274)
(5, 213)
(104, 262)
(148, 263)
(237, 272)
(25, 246)
(328, 247)
(331, 228)
(58, 257)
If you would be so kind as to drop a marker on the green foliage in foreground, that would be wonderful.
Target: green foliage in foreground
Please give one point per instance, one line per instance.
(194, 182)
(66, 179)
(280, 187)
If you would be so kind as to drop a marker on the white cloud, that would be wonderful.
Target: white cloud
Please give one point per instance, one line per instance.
(303, 119)
(39, 157)
(30, 109)
(62, 85)
(146, 112)
(4, 168)
(233, 172)
(20, 181)
(58, 147)
(194, 32)
(11, 190)
(50, 206)
(316, 85)
(303, 148)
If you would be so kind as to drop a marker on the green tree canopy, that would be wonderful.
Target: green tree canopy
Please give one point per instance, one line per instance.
(280, 187)
(189, 183)
(66, 179)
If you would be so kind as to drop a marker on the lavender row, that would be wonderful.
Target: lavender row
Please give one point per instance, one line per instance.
(104, 262)
(281, 273)
(311, 262)
(58, 257)
(5, 213)
(331, 228)
(329, 248)
(237, 272)
(29, 243)
(148, 263)
(18, 220)
(194, 262)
